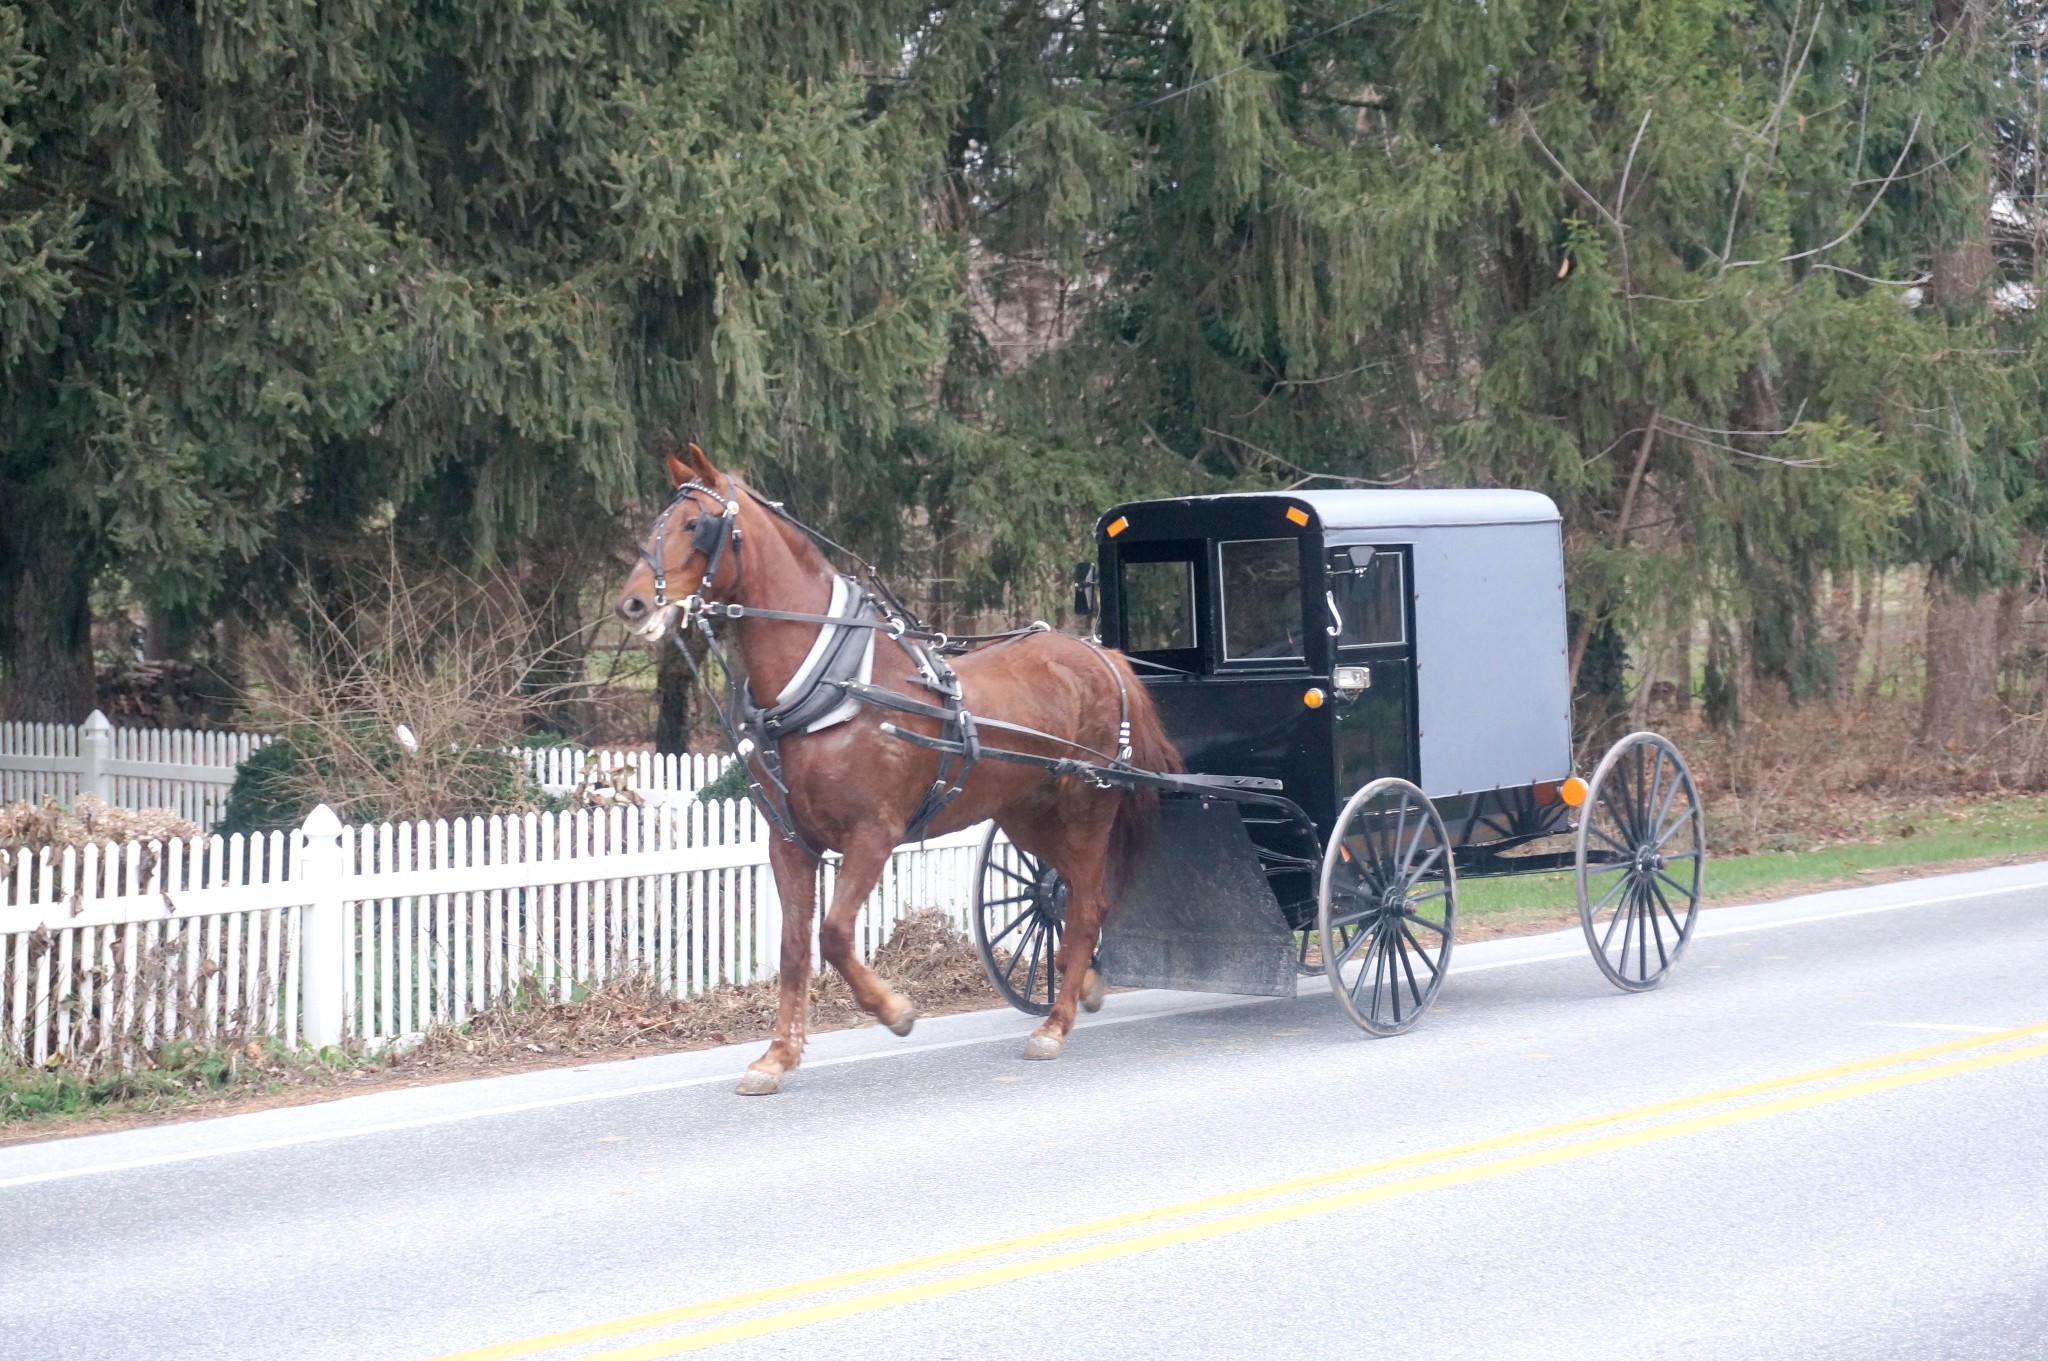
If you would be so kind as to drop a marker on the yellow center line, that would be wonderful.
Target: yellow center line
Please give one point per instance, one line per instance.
(1232, 1199)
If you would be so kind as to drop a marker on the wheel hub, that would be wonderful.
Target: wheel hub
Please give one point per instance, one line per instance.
(1648, 861)
(1049, 895)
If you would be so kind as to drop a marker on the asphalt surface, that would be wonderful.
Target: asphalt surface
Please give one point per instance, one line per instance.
(1875, 1206)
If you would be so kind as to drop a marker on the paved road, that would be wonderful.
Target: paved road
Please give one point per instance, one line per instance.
(1491, 1185)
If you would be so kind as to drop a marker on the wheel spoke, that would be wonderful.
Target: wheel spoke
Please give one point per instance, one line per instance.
(1030, 879)
(1427, 962)
(1628, 932)
(1026, 915)
(1344, 952)
(1366, 966)
(1670, 796)
(1628, 851)
(1676, 887)
(1619, 912)
(1437, 927)
(1006, 902)
(1594, 911)
(1423, 870)
(1426, 897)
(1661, 902)
(1017, 956)
(1407, 969)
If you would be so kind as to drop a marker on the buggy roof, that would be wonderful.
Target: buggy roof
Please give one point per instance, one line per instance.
(1386, 509)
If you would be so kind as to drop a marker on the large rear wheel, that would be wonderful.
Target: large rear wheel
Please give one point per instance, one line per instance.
(1387, 910)
(1641, 849)
(1020, 905)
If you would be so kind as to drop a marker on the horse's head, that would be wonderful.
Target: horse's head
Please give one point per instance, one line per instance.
(691, 550)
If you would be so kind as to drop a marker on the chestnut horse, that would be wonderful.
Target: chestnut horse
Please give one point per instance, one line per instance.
(854, 788)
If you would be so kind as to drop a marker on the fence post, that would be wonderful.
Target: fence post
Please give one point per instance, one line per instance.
(95, 749)
(323, 962)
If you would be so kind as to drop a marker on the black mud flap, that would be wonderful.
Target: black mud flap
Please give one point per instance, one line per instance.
(1198, 915)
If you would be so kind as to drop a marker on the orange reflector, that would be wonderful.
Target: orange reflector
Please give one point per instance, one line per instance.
(1118, 526)
(1573, 791)
(1545, 791)
(1297, 514)
(1314, 698)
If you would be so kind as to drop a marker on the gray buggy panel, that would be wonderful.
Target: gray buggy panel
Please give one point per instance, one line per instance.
(1197, 914)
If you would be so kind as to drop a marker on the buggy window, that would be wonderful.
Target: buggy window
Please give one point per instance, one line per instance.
(1159, 605)
(1369, 598)
(1261, 599)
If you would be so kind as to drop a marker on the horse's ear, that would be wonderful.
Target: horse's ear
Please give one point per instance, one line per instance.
(677, 473)
(700, 466)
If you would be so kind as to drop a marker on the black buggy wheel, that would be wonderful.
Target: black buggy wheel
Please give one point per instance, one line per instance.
(1387, 910)
(1020, 904)
(1641, 848)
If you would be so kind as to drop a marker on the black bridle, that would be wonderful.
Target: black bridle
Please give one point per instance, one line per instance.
(710, 535)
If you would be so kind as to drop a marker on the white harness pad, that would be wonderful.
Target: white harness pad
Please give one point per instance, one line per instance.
(799, 684)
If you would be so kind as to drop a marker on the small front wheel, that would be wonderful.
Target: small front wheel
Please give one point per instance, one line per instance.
(1641, 847)
(1387, 909)
(1020, 904)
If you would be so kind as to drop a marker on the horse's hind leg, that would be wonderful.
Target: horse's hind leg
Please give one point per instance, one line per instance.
(796, 883)
(1080, 985)
(860, 870)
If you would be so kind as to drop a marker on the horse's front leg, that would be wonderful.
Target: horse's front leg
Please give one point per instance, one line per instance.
(796, 883)
(859, 871)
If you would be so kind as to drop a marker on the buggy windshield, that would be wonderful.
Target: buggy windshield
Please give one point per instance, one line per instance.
(1261, 599)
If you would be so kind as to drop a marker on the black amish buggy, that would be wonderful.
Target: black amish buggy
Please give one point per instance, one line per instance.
(1369, 690)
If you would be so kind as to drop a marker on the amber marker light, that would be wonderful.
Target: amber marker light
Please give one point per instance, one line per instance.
(1118, 526)
(1573, 791)
(1313, 699)
(1298, 515)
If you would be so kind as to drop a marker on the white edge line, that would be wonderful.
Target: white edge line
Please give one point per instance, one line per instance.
(1707, 934)
(1211, 1004)
(550, 1103)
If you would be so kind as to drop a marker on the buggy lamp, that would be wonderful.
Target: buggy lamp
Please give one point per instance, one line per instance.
(1314, 698)
(1351, 680)
(1573, 791)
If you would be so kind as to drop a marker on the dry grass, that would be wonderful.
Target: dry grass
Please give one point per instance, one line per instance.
(931, 962)
(1799, 778)
(31, 827)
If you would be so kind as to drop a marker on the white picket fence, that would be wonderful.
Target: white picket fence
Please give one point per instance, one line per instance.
(382, 931)
(656, 778)
(190, 772)
(185, 770)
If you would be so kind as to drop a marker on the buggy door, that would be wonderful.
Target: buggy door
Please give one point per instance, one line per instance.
(1371, 589)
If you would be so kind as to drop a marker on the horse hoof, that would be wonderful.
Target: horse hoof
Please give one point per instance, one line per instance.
(902, 1024)
(1093, 987)
(755, 1082)
(1043, 1047)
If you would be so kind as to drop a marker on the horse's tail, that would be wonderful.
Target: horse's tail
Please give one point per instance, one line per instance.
(1137, 810)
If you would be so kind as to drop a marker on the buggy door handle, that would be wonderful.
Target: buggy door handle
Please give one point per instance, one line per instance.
(1336, 624)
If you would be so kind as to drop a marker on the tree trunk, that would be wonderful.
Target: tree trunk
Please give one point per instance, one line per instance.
(1959, 708)
(1681, 670)
(50, 618)
(672, 686)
